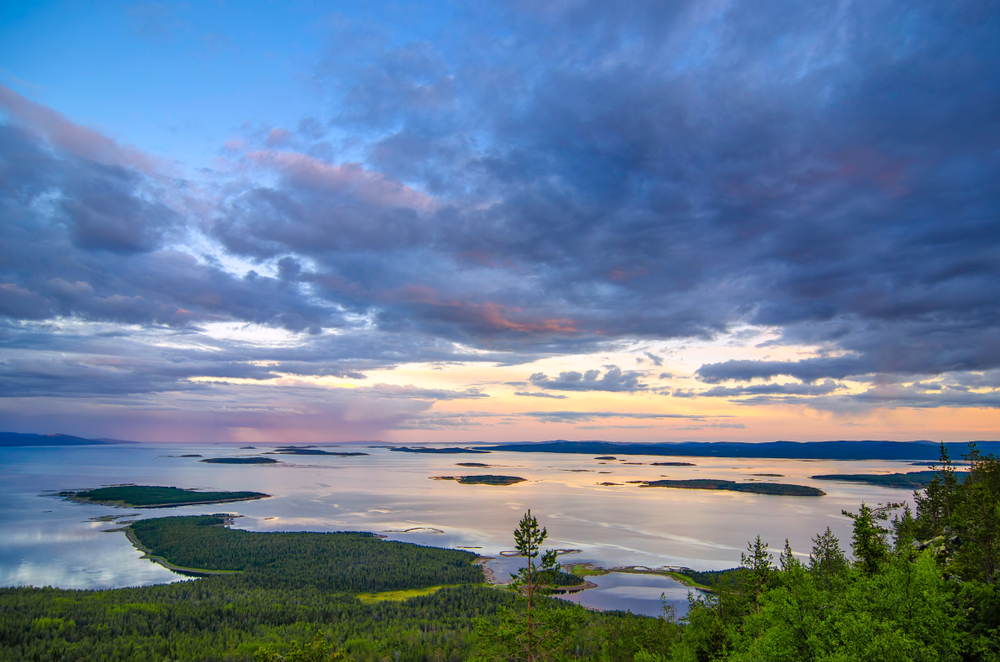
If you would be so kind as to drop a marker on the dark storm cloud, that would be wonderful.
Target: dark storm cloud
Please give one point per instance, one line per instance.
(668, 174)
(614, 380)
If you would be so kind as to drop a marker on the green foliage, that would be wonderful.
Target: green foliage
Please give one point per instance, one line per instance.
(921, 587)
(827, 562)
(780, 489)
(489, 479)
(913, 480)
(318, 650)
(231, 618)
(629, 637)
(533, 629)
(356, 562)
(870, 541)
(145, 496)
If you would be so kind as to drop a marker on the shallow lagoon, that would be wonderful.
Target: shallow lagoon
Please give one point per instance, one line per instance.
(48, 541)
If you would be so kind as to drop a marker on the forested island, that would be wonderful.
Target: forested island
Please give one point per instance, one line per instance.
(436, 451)
(239, 460)
(314, 451)
(731, 486)
(15, 439)
(354, 562)
(482, 480)
(147, 496)
(913, 480)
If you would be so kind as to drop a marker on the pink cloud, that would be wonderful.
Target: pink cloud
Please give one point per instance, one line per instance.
(350, 178)
(491, 314)
(73, 138)
(277, 137)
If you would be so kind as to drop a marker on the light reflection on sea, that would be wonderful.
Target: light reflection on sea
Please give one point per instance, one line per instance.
(618, 525)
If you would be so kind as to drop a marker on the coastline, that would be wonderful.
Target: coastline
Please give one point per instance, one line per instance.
(123, 504)
(147, 554)
(665, 571)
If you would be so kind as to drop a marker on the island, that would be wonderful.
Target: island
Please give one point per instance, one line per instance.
(672, 464)
(352, 561)
(8, 439)
(914, 480)
(482, 480)
(606, 457)
(438, 451)
(313, 451)
(471, 464)
(778, 489)
(148, 496)
(239, 460)
(796, 450)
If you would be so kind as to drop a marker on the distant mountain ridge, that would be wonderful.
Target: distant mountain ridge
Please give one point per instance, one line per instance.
(9, 439)
(791, 450)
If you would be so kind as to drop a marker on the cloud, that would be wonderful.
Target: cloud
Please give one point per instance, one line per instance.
(792, 389)
(65, 135)
(657, 360)
(541, 180)
(614, 380)
(530, 394)
(578, 416)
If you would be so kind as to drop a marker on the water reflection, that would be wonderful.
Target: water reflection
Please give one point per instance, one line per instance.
(638, 593)
(612, 526)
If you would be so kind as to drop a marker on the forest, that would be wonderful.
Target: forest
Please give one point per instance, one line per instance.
(779, 489)
(351, 562)
(913, 480)
(915, 584)
(147, 496)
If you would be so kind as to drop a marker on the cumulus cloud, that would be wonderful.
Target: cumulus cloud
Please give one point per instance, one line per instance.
(614, 380)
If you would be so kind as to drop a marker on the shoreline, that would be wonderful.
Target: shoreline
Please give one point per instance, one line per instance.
(665, 571)
(147, 554)
(123, 504)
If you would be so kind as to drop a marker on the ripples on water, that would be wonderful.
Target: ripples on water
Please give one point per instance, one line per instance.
(49, 542)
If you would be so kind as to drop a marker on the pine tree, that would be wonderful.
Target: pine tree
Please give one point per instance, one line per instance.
(787, 560)
(757, 564)
(870, 541)
(827, 559)
(533, 631)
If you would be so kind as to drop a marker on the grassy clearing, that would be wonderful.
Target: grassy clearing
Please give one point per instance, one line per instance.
(588, 570)
(687, 581)
(400, 595)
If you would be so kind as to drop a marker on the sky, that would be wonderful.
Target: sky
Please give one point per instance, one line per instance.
(452, 222)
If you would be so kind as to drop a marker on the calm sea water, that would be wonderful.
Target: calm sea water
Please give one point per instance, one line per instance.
(47, 541)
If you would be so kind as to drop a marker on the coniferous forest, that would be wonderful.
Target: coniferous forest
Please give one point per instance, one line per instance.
(912, 584)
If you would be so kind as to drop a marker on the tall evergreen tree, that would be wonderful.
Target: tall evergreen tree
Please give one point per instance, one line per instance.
(870, 541)
(533, 631)
(827, 559)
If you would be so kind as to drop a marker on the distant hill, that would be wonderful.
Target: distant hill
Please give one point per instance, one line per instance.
(795, 450)
(18, 439)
